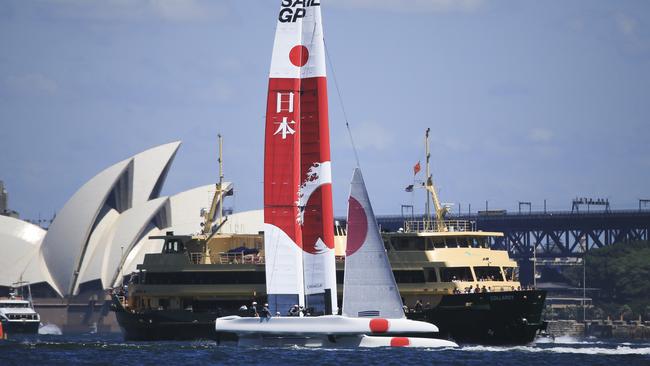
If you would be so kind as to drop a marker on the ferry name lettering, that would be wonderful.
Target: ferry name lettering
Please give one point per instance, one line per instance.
(501, 298)
(293, 10)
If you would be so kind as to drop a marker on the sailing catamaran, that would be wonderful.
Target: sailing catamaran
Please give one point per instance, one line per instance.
(298, 215)
(373, 314)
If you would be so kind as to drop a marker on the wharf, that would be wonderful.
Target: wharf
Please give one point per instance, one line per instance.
(618, 329)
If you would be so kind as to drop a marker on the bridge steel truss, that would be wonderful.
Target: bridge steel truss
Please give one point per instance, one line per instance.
(553, 234)
(564, 234)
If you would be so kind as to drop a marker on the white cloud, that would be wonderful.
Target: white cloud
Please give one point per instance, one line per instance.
(626, 24)
(539, 134)
(412, 5)
(371, 136)
(30, 84)
(133, 10)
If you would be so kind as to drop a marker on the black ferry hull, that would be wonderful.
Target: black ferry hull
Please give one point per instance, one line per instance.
(512, 317)
(166, 325)
(486, 318)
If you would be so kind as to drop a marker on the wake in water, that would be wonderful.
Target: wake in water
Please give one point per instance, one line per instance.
(49, 329)
(566, 340)
(617, 350)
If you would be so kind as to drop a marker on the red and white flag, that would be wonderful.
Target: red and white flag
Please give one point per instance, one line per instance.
(416, 168)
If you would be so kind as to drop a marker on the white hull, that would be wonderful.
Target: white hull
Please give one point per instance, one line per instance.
(345, 341)
(320, 326)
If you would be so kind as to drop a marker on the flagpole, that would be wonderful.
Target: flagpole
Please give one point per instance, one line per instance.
(428, 155)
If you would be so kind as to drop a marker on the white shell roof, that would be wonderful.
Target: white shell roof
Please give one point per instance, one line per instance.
(246, 222)
(67, 237)
(79, 231)
(150, 171)
(136, 255)
(129, 229)
(19, 243)
(91, 268)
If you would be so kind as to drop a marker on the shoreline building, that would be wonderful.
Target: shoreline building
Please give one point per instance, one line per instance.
(3, 198)
(4, 202)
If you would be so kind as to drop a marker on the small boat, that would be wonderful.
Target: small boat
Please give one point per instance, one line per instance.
(17, 313)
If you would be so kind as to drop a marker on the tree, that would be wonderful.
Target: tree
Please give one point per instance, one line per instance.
(621, 272)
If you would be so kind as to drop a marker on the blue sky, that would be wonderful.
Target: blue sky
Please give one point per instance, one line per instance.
(527, 100)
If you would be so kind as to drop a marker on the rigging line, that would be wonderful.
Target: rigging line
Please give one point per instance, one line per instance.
(345, 115)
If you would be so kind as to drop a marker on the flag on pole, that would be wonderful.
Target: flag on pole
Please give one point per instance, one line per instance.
(416, 168)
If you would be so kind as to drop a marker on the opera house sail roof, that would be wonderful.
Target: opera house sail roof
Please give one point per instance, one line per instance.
(102, 232)
(83, 225)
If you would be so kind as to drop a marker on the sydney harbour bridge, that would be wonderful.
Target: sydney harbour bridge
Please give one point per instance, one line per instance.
(551, 237)
(548, 235)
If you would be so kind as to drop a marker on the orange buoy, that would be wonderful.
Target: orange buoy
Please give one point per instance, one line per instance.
(2, 333)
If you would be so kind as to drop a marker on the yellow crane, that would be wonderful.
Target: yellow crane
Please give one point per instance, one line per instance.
(215, 214)
(214, 218)
(440, 210)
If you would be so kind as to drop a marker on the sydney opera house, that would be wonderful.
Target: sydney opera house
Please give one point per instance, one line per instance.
(100, 235)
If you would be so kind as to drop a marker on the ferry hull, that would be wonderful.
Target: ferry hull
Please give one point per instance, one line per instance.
(166, 325)
(512, 317)
(487, 320)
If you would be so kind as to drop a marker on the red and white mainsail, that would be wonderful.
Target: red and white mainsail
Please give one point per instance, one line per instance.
(298, 213)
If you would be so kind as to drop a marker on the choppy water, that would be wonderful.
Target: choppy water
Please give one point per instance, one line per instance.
(51, 349)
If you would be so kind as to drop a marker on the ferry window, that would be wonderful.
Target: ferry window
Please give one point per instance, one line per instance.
(438, 243)
(206, 278)
(409, 276)
(488, 273)
(431, 275)
(408, 243)
(512, 273)
(451, 274)
(481, 243)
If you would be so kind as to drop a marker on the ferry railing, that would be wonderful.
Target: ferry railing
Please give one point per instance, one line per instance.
(240, 258)
(428, 226)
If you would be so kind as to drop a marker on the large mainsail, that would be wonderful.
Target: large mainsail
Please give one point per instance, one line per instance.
(298, 214)
(369, 286)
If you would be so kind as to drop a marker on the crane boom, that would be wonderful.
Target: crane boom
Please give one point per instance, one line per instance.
(440, 210)
(215, 214)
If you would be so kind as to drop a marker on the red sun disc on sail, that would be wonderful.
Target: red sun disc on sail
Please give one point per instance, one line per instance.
(299, 56)
(357, 226)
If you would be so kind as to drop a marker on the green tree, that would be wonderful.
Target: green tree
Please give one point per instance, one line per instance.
(621, 272)
(625, 312)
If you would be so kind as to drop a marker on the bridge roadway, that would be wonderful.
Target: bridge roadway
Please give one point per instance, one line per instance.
(559, 234)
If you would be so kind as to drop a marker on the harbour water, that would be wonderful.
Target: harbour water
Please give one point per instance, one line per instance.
(94, 349)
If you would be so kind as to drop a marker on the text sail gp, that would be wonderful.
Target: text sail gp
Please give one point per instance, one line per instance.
(292, 10)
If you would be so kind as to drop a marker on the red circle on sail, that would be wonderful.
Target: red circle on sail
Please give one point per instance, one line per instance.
(357, 226)
(400, 342)
(379, 325)
(299, 56)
